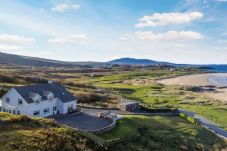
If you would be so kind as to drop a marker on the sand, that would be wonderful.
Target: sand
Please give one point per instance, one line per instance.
(199, 80)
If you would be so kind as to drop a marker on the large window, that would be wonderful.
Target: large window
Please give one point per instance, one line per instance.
(45, 111)
(18, 112)
(54, 108)
(7, 100)
(36, 113)
(20, 101)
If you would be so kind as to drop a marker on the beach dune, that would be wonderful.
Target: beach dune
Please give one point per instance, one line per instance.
(215, 79)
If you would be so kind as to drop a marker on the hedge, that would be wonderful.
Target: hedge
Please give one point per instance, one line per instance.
(159, 110)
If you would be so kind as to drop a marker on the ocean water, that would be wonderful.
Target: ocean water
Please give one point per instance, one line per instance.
(218, 80)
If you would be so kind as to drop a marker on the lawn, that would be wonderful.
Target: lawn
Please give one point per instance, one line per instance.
(164, 132)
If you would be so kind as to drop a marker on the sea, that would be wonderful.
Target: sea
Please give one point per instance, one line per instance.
(218, 68)
(218, 81)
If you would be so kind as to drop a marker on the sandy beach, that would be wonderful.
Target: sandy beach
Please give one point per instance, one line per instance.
(200, 80)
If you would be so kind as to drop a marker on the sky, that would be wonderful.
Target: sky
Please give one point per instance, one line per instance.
(178, 31)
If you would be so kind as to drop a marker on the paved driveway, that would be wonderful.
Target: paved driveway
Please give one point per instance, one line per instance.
(82, 121)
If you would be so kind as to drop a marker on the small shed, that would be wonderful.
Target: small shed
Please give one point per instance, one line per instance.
(128, 106)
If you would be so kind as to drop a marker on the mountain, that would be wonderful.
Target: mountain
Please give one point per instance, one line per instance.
(28, 61)
(133, 61)
(39, 62)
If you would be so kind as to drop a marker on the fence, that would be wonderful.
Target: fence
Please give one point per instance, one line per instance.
(100, 141)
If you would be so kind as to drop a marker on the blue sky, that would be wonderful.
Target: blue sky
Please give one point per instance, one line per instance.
(179, 31)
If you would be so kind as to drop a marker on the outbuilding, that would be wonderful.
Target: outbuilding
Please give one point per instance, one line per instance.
(129, 106)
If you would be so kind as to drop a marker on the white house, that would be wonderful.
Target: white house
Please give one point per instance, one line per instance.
(39, 100)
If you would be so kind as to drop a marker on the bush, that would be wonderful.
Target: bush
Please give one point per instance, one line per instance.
(159, 110)
(190, 119)
(60, 139)
(2, 92)
(90, 97)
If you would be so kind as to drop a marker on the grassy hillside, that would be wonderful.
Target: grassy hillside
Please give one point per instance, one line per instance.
(20, 133)
(143, 87)
(162, 133)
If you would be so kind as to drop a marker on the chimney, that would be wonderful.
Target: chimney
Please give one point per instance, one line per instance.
(50, 82)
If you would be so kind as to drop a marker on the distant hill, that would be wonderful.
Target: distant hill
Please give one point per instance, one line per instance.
(133, 61)
(28, 61)
(33, 61)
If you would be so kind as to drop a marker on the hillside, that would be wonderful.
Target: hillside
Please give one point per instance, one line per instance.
(133, 61)
(26, 134)
(27, 61)
(40, 62)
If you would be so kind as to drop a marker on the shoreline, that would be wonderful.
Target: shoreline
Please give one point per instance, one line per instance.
(200, 80)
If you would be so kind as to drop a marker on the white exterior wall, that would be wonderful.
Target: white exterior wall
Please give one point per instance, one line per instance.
(41, 106)
(66, 105)
(13, 104)
(28, 109)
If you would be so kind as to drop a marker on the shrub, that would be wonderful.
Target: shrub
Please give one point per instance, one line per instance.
(2, 92)
(188, 118)
(90, 97)
(60, 139)
(159, 110)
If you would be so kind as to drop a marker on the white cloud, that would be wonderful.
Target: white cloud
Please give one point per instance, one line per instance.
(158, 19)
(4, 47)
(63, 7)
(6, 38)
(78, 39)
(169, 35)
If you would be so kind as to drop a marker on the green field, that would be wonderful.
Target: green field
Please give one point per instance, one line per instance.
(144, 88)
(163, 133)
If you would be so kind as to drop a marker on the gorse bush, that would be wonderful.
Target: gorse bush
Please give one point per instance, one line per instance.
(58, 139)
(25, 120)
(190, 119)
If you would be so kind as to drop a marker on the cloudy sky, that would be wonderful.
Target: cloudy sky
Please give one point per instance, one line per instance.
(179, 31)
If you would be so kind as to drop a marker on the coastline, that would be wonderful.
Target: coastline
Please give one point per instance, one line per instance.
(200, 80)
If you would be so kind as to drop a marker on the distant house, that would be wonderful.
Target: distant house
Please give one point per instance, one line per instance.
(128, 106)
(39, 100)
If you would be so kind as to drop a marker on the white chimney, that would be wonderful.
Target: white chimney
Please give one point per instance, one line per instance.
(50, 81)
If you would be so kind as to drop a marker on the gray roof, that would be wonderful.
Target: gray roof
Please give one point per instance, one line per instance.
(129, 103)
(58, 90)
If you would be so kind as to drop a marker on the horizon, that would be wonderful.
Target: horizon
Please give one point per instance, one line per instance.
(176, 31)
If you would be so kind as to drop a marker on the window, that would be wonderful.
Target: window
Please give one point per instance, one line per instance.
(54, 108)
(50, 97)
(36, 113)
(20, 101)
(4, 110)
(45, 111)
(70, 108)
(37, 101)
(14, 112)
(7, 100)
(18, 112)
(9, 111)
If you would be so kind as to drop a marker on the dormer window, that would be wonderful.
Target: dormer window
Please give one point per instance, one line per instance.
(49, 95)
(35, 97)
(37, 100)
(7, 99)
(20, 101)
